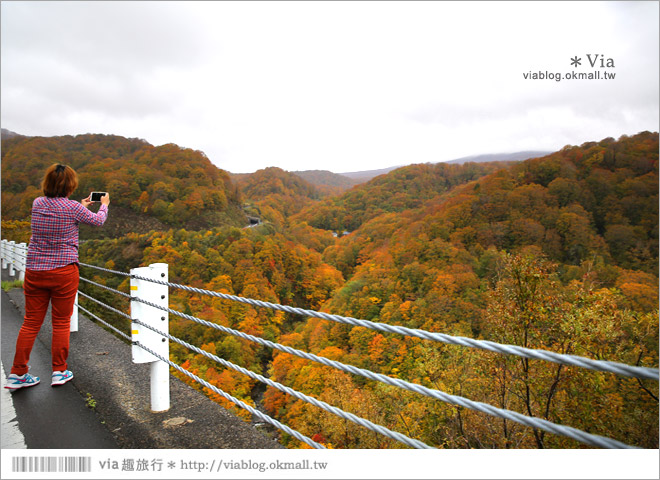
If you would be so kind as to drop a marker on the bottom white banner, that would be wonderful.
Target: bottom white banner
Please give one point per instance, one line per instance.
(325, 464)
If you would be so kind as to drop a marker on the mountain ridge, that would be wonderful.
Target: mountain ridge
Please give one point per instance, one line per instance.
(367, 175)
(497, 157)
(155, 187)
(345, 180)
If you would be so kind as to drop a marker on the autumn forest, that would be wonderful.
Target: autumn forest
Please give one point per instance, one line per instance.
(557, 253)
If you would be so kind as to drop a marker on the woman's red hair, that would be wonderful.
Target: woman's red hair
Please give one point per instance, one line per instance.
(60, 181)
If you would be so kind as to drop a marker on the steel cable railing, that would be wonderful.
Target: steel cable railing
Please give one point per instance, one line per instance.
(539, 354)
(220, 392)
(95, 317)
(105, 287)
(573, 360)
(112, 309)
(318, 403)
(103, 269)
(235, 400)
(599, 365)
(590, 439)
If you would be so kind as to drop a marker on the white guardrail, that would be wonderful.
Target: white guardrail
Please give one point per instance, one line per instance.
(13, 257)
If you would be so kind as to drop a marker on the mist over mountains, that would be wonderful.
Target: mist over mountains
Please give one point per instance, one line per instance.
(363, 176)
(9, 134)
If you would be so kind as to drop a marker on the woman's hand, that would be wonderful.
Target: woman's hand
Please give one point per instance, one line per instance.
(86, 202)
(105, 199)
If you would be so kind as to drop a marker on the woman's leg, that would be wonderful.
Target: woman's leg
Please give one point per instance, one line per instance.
(63, 296)
(36, 304)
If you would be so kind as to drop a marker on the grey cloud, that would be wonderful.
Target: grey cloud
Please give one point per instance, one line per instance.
(71, 59)
(105, 36)
(218, 75)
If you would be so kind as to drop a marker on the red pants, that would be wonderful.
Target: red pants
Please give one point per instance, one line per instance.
(59, 287)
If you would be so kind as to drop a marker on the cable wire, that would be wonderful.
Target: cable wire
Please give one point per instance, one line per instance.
(588, 438)
(127, 337)
(116, 272)
(574, 360)
(318, 403)
(507, 349)
(235, 400)
(126, 295)
(112, 309)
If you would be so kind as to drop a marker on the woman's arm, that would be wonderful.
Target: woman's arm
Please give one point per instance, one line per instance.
(86, 202)
(83, 215)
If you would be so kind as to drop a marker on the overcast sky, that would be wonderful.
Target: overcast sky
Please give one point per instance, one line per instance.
(340, 86)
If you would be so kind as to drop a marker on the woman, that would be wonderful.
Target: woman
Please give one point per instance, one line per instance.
(52, 272)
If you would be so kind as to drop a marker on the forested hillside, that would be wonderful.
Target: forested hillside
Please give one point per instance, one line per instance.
(150, 187)
(327, 182)
(402, 189)
(276, 194)
(557, 253)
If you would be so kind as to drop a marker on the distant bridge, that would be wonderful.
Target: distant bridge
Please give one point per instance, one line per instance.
(149, 326)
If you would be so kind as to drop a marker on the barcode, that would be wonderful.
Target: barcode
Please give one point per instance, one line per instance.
(51, 464)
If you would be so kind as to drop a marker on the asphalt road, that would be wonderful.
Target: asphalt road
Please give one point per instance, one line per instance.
(60, 417)
(49, 417)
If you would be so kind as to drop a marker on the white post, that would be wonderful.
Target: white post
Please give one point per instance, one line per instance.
(12, 258)
(158, 319)
(3, 253)
(73, 325)
(21, 260)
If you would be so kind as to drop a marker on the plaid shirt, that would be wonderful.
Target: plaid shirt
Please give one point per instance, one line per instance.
(54, 241)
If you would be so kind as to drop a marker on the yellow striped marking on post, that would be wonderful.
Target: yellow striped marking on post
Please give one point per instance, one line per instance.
(133, 287)
(135, 332)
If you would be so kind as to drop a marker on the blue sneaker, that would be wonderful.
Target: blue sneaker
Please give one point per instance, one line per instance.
(60, 378)
(14, 382)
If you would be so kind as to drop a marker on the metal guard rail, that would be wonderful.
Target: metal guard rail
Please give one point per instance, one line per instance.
(538, 354)
(14, 256)
(318, 403)
(595, 440)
